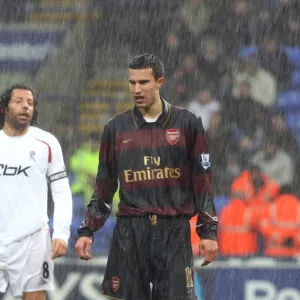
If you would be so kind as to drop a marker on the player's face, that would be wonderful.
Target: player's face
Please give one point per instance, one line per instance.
(143, 87)
(20, 109)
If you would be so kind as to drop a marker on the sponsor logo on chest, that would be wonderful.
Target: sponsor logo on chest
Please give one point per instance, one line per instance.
(7, 170)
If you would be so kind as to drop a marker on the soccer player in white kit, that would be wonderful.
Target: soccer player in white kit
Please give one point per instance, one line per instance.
(29, 158)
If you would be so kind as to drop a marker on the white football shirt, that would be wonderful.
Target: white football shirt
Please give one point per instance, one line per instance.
(27, 163)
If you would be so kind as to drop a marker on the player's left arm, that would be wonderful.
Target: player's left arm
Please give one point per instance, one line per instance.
(207, 221)
(62, 198)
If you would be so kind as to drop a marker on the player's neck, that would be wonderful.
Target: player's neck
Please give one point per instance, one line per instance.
(12, 131)
(154, 111)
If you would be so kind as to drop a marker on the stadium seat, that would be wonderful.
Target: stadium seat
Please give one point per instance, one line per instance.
(100, 84)
(288, 101)
(293, 54)
(247, 51)
(86, 105)
(63, 11)
(123, 106)
(78, 205)
(221, 202)
(295, 78)
(293, 121)
(105, 88)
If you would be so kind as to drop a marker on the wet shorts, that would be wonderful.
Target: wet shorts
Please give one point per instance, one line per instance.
(150, 256)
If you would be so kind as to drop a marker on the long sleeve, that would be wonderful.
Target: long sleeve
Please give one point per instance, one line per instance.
(61, 193)
(207, 223)
(62, 198)
(99, 208)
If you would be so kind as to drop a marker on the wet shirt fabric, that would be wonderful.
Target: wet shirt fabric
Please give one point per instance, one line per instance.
(162, 167)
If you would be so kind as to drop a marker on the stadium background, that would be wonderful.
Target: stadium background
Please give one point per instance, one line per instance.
(75, 54)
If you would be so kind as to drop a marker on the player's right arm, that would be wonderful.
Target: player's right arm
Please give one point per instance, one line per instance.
(99, 208)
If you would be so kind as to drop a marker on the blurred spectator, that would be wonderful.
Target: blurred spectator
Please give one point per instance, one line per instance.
(275, 163)
(262, 24)
(284, 138)
(286, 17)
(275, 61)
(254, 187)
(172, 52)
(83, 168)
(225, 163)
(14, 11)
(185, 80)
(280, 227)
(291, 34)
(211, 63)
(247, 119)
(256, 191)
(233, 168)
(83, 165)
(204, 106)
(237, 235)
(263, 84)
(238, 108)
(232, 25)
(195, 16)
(225, 87)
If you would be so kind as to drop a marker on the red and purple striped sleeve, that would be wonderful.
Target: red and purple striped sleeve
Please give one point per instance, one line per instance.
(207, 223)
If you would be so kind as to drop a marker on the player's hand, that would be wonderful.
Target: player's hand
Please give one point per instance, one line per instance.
(83, 247)
(59, 248)
(208, 250)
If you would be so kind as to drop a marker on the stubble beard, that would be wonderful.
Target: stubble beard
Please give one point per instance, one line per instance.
(13, 122)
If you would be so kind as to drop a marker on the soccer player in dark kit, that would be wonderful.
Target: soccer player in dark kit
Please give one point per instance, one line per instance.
(159, 155)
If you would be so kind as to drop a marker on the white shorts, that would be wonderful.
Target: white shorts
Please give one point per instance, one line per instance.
(27, 266)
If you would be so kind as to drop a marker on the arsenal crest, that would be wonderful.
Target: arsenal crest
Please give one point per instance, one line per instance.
(172, 136)
(115, 283)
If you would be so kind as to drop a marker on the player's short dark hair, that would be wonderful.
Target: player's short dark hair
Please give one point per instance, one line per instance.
(144, 61)
(6, 96)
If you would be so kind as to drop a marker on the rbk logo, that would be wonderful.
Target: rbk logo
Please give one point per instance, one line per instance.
(6, 170)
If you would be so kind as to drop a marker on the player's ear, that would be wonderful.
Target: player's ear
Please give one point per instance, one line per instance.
(160, 82)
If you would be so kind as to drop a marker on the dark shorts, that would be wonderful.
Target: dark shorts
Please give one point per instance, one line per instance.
(142, 253)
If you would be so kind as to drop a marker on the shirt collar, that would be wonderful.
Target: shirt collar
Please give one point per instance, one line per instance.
(162, 120)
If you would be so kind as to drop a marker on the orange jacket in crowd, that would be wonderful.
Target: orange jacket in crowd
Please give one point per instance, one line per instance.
(236, 234)
(243, 188)
(281, 228)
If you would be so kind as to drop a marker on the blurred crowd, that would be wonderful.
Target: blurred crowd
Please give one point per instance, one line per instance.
(228, 62)
(16, 11)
